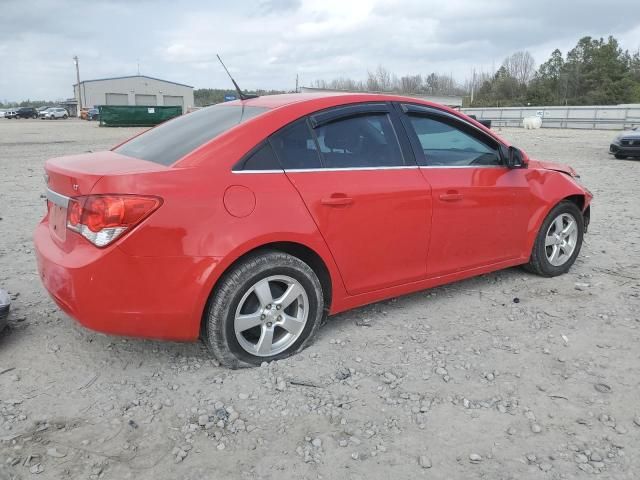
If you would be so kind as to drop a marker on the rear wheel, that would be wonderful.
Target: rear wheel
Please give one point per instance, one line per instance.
(269, 306)
(558, 242)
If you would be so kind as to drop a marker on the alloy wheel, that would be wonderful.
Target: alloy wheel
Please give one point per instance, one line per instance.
(561, 239)
(271, 315)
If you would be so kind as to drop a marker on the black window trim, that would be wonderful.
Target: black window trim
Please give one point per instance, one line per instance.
(342, 112)
(432, 112)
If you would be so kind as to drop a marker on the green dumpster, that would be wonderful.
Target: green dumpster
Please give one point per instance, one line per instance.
(136, 116)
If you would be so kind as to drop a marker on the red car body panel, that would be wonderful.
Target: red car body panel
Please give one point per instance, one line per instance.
(378, 233)
(352, 208)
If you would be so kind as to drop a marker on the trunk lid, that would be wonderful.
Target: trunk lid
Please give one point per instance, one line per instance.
(75, 175)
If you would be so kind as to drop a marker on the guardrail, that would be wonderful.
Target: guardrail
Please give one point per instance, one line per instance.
(589, 117)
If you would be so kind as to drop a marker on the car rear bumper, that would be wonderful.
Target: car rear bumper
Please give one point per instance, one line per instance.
(111, 292)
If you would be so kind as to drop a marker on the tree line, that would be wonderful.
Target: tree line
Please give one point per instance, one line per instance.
(210, 96)
(594, 72)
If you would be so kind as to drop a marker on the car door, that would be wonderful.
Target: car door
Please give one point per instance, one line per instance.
(480, 207)
(364, 192)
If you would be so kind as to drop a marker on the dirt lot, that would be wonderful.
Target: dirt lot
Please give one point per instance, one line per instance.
(455, 382)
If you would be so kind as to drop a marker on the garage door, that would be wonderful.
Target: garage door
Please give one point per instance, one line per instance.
(146, 99)
(173, 101)
(117, 99)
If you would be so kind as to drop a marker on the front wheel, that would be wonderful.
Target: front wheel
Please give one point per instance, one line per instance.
(558, 242)
(267, 307)
(619, 156)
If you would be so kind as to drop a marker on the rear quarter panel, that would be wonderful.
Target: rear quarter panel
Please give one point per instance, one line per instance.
(193, 220)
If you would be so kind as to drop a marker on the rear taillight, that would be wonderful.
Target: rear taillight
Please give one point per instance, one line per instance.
(103, 218)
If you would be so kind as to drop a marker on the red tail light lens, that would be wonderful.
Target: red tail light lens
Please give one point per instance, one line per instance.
(101, 219)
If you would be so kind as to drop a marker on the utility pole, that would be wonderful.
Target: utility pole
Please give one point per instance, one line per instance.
(473, 84)
(75, 60)
(297, 83)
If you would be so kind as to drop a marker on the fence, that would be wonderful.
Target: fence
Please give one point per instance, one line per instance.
(615, 117)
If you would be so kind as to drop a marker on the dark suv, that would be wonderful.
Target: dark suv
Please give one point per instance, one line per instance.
(22, 112)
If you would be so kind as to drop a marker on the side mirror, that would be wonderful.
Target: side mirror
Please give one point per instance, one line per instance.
(516, 158)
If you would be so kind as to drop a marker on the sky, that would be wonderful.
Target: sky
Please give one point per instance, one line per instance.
(266, 43)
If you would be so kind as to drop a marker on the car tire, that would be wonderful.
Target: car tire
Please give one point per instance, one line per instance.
(620, 157)
(555, 237)
(65, 116)
(259, 336)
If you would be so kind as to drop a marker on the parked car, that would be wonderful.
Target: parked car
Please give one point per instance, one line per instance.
(22, 112)
(626, 144)
(5, 305)
(53, 113)
(2, 113)
(246, 223)
(93, 114)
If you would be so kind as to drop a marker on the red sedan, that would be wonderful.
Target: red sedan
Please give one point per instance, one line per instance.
(246, 223)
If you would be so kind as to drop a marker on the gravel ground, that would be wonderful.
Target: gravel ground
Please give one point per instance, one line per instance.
(455, 382)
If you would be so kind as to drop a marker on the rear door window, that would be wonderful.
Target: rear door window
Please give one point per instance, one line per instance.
(169, 142)
(362, 141)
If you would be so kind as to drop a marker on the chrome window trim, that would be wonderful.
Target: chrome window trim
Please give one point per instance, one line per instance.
(58, 199)
(306, 170)
(464, 166)
(258, 171)
(351, 169)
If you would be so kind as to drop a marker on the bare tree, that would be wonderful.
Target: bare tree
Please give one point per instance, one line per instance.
(520, 66)
(380, 80)
(383, 80)
(410, 84)
(372, 82)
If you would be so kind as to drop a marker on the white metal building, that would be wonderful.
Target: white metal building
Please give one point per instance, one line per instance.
(134, 90)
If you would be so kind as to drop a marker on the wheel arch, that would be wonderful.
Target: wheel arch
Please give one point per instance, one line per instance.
(578, 199)
(549, 188)
(322, 267)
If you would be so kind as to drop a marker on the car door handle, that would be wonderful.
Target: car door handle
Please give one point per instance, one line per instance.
(451, 197)
(336, 201)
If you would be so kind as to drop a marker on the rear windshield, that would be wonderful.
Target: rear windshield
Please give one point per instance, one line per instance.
(171, 141)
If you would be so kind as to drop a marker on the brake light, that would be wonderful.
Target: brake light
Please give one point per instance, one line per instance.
(103, 218)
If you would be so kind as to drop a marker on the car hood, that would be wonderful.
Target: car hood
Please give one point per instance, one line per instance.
(635, 134)
(557, 167)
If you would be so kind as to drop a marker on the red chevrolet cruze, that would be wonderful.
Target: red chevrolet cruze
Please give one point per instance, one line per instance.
(248, 222)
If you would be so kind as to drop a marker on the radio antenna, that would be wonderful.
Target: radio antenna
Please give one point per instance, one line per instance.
(243, 96)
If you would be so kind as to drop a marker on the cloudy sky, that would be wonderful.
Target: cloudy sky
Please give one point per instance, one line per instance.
(266, 43)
